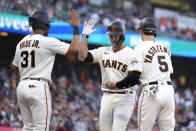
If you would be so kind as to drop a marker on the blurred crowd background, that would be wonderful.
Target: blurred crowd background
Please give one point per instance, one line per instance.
(76, 98)
(76, 90)
(130, 12)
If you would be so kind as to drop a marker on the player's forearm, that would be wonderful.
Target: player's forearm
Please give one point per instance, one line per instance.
(131, 80)
(75, 44)
(83, 49)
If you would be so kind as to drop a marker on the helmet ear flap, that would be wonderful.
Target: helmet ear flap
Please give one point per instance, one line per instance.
(121, 40)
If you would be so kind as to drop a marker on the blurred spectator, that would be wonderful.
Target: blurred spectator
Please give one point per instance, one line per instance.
(129, 12)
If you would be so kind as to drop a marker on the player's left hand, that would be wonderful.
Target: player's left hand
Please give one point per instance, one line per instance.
(87, 30)
(111, 85)
(75, 20)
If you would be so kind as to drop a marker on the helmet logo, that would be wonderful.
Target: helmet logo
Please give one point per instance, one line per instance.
(113, 28)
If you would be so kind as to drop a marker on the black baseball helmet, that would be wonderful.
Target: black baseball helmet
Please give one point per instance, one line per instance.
(116, 28)
(39, 20)
(148, 26)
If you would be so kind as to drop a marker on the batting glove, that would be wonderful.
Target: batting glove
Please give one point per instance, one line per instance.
(87, 30)
(153, 90)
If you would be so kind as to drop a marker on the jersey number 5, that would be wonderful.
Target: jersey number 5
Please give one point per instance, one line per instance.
(25, 56)
(163, 65)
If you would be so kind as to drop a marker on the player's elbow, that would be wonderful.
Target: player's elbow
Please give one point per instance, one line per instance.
(74, 49)
(82, 55)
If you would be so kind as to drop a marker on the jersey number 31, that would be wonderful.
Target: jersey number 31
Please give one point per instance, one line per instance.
(25, 55)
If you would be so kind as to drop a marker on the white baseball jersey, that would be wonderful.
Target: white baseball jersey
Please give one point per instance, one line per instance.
(114, 65)
(153, 61)
(115, 109)
(35, 55)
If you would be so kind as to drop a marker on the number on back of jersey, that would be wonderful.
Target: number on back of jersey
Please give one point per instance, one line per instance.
(25, 55)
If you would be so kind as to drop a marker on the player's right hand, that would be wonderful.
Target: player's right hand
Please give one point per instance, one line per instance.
(75, 20)
(87, 30)
(111, 85)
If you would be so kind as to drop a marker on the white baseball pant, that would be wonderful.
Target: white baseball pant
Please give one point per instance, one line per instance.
(160, 107)
(34, 101)
(116, 111)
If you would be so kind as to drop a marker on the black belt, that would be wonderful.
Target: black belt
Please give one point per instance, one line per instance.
(113, 92)
(156, 83)
(38, 79)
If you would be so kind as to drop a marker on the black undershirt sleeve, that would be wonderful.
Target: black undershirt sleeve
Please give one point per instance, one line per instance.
(131, 80)
(89, 57)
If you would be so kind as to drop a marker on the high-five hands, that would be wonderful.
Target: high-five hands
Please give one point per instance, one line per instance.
(87, 30)
(75, 20)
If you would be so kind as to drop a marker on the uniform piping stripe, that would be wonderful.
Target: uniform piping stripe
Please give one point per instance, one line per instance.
(134, 105)
(135, 99)
(140, 110)
(46, 108)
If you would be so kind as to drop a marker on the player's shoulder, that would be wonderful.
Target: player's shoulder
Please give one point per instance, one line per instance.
(51, 39)
(47, 39)
(128, 48)
(159, 43)
(144, 45)
(104, 48)
(23, 39)
(140, 46)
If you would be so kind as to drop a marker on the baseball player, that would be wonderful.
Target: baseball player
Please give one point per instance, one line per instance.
(151, 62)
(116, 105)
(34, 59)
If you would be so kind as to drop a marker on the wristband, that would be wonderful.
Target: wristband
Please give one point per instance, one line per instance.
(75, 30)
(85, 36)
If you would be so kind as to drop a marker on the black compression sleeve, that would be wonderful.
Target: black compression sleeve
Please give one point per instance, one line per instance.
(89, 57)
(131, 80)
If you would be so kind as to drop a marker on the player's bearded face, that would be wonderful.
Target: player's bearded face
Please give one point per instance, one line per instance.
(114, 39)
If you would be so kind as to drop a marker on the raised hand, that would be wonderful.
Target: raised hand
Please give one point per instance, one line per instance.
(75, 20)
(87, 30)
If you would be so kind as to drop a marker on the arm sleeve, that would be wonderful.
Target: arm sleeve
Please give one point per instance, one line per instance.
(56, 46)
(89, 58)
(96, 54)
(131, 80)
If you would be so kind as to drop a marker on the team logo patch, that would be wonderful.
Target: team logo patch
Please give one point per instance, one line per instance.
(113, 28)
(134, 61)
